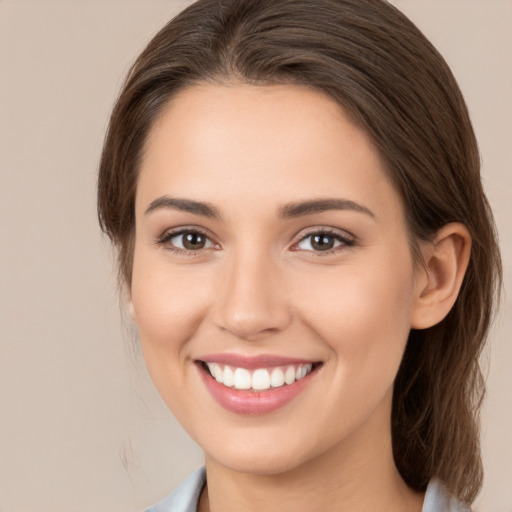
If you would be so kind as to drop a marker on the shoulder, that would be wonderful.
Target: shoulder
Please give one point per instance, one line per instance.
(438, 499)
(185, 497)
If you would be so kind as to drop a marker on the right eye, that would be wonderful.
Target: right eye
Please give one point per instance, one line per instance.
(189, 240)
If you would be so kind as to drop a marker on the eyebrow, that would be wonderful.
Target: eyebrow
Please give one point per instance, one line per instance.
(302, 208)
(291, 210)
(185, 205)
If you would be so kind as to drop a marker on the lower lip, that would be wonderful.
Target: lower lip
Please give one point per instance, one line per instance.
(253, 402)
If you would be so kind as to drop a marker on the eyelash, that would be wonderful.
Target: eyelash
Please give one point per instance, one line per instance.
(345, 241)
(166, 238)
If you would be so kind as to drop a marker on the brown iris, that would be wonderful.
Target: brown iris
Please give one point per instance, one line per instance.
(322, 242)
(193, 241)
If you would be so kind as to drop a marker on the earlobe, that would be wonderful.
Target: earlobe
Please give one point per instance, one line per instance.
(127, 293)
(129, 303)
(445, 263)
(131, 310)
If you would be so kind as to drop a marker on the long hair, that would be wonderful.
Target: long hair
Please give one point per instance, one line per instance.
(379, 67)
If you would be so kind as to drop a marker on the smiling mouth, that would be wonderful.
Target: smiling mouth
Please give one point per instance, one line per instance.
(258, 379)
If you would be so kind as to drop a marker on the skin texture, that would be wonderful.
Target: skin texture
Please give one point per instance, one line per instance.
(259, 287)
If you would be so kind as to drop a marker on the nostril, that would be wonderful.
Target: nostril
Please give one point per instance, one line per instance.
(253, 323)
(249, 303)
(250, 334)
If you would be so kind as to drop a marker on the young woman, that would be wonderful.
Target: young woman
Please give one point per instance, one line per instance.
(293, 189)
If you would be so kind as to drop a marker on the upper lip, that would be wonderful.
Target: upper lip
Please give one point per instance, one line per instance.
(253, 362)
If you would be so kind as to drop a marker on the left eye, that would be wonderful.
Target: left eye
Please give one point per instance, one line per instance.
(189, 240)
(321, 242)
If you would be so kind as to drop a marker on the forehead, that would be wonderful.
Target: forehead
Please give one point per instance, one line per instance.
(266, 144)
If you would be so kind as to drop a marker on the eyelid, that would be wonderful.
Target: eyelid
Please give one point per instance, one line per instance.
(164, 239)
(346, 239)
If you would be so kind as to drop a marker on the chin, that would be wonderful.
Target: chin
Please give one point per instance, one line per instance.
(267, 459)
(259, 464)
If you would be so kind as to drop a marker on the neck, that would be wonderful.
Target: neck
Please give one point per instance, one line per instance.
(358, 474)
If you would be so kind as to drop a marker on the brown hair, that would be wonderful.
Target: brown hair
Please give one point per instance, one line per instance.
(378, 66)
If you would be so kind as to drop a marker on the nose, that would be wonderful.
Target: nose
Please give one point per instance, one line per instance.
(252, 303)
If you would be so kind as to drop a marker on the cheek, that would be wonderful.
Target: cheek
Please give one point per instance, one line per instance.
(169, 306)
(169, 303)
(363, 319)
(362, 312)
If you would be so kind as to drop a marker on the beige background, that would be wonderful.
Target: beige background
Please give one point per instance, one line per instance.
(81, 428)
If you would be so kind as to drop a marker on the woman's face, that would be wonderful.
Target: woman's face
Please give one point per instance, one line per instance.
(269, 244)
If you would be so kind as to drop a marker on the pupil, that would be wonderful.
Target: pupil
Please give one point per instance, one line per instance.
(193, 241)
(323, 242)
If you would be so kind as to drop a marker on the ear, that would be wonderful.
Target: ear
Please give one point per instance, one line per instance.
(438, 282)
(131, 310)
(129, 304)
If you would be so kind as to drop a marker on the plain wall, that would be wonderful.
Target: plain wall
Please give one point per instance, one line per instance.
(81, 428)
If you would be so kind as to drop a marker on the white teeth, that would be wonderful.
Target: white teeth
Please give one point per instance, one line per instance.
(217, 372)
(277, 378)
(242, 379)
(303, 370)
(229, 377)
(289, 375)
(260, 379)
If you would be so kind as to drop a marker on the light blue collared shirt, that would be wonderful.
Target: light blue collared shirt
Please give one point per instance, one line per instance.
(186, 497)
